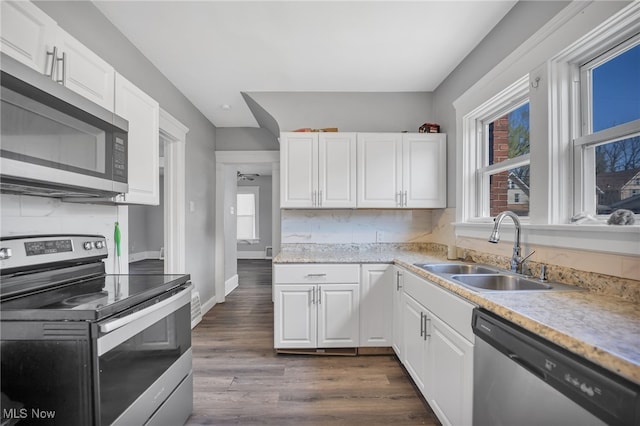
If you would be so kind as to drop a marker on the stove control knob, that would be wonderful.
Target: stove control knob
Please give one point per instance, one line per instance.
(87, 245)
(5, 253)
(99, 245)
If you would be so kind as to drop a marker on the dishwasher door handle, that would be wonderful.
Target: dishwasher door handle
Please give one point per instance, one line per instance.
(528, 366)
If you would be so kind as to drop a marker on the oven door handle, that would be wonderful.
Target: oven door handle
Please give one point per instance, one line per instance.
(108, 327)
(119, 330)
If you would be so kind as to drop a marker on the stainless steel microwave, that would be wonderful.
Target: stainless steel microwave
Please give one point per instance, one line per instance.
(56, 143)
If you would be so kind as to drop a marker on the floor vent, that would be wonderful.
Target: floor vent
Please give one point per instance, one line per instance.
(196, 308)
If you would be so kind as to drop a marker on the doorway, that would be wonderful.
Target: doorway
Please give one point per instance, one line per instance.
(228, 163)
(157, 233)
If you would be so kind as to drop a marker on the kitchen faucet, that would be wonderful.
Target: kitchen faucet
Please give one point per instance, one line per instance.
(517, 261)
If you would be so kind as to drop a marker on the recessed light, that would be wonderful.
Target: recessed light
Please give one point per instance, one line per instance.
(225, 107)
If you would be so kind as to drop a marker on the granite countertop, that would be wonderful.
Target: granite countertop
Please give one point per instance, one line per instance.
(600, 328)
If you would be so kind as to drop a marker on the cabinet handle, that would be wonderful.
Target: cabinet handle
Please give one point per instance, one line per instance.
(425, 327)
(319, 295)
(316, 275)
(421, 324)
(405, 198)
(399, 198)
(320, 198)
(54, 55)
(313, 198)
(64, 67)
(398, 275)
(313, 295)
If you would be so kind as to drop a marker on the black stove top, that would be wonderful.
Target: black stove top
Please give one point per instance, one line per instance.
(89, 300)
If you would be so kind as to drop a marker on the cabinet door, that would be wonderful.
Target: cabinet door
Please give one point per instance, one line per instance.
(295, 316)
(449, 378)
(414, 339)
(27, 34)
(84, 72)
(379, 169)
(376, 305)
(337, 170)
(143, 114)
(298, 170)
(398, 283)
(424, 170)
(338, 324)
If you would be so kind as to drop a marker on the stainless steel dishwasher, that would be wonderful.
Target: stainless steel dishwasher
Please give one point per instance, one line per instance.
(522, 379)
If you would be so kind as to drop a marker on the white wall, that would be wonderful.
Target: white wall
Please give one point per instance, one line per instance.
(26, 215)
(230, 224)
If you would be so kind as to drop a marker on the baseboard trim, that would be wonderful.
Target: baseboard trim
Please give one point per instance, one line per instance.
(206, 306)
(230, 284)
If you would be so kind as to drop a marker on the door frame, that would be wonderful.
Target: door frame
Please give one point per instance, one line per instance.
(225, 158)
(174, 133)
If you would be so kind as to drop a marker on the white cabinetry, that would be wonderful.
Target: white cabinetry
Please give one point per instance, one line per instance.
(143, 114)
(316, 306)
(397, 312)
(30, 36)
(318, 170)
(376, 309)
(438, 348)
(401, 170)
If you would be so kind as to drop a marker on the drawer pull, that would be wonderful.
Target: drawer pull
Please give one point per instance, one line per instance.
(316, 275)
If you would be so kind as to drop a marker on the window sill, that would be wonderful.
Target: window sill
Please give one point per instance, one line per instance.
(595, 237)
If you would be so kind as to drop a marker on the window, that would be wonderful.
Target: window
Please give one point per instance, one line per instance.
(500, 154)
(608, 151)
(247, 213)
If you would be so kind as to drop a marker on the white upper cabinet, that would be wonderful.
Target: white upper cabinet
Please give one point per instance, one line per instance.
(33, 38)
(83, 71)
(317, 170)
(424, 170)
(28, 34)
(401, 170)
(143, 114)
(379, 170)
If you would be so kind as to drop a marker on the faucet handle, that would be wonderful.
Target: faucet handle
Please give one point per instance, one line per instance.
(543, 273)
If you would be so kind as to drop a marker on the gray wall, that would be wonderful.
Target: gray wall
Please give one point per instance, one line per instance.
(230, 224)
(245, 139)
(264, 227)
(348, 111)
(85, 22)
(522, 21)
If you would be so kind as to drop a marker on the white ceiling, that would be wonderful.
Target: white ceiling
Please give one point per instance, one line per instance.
(214, 50)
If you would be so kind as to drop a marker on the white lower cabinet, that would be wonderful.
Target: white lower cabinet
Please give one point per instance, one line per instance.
(438, 356)
(397, 312)
(316, 306)
(376, 311)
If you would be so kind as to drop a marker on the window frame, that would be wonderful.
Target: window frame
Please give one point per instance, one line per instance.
(548, 59)
(255, 191)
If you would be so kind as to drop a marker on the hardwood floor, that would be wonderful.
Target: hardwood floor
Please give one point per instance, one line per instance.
(240, 380)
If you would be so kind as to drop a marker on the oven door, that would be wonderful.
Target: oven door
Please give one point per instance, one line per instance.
(144, 361)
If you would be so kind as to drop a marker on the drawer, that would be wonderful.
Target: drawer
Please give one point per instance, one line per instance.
(312, 273)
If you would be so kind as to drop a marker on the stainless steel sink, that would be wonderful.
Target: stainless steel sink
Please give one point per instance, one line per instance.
(501, 282)
(456, 268)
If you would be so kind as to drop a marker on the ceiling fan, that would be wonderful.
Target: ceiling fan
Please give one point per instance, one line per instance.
(247, 176)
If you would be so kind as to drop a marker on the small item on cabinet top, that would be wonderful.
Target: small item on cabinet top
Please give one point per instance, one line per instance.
(308, 129)
(429, 128)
